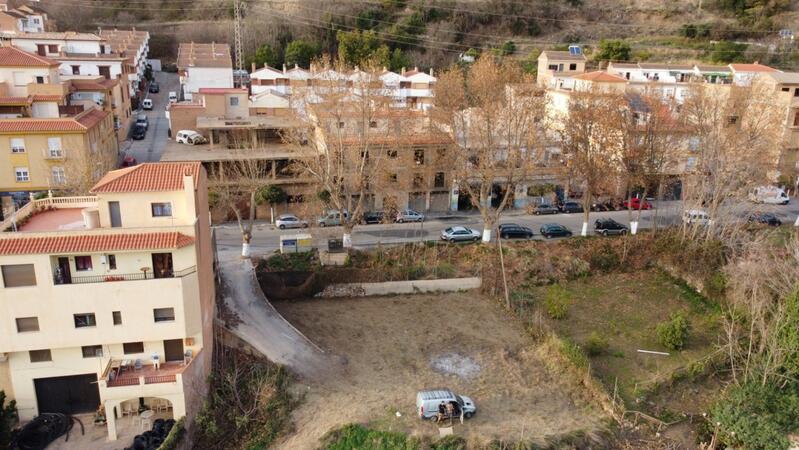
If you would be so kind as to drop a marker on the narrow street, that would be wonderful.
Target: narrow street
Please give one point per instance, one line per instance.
(152, 146)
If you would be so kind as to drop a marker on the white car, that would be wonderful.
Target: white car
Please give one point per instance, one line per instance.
(696, 217)
(190, 137)
(459, 234)
(147, 104)
(429, 402)
(173, 97)
(290, 221)
(409, 215)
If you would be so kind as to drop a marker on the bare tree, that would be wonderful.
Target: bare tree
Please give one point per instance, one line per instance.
(591, 140)
(348, 126)
(736, 131)
(78, 172)
(493, 113)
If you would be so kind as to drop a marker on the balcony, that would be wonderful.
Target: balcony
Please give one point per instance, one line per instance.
(144, 275)
(49, 214)
(61, 89)
(148, 374)
(53, 154)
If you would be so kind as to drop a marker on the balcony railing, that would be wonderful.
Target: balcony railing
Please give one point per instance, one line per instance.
(108, 278)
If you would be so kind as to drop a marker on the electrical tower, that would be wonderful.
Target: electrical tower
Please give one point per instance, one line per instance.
(237, 39)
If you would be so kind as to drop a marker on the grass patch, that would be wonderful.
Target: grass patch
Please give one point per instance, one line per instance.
(296, 262)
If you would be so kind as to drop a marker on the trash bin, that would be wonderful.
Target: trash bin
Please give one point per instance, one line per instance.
(335, 245)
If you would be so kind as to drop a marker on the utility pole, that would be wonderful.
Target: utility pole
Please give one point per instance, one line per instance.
(237, 39)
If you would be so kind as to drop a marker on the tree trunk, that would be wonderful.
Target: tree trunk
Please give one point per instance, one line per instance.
(634, 223)
(272, 214)
(346, 237)
(586, 212)
(246, 237)
(486, 235)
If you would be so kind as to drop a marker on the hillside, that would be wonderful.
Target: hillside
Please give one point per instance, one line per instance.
(433, 33)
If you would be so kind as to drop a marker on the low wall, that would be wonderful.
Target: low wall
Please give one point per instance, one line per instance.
(399, 287)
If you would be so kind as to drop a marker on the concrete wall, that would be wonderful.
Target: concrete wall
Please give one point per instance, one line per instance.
(400, 287)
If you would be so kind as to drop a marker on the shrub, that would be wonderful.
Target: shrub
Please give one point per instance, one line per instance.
(8, 417)
(556, 301)
(605, 258)
(358, 436)
(673, 333)
(445, 270)
(596, 344)
(175, 435)
(573, 353)
(416, 272)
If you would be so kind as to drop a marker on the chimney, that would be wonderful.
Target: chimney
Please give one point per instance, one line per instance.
(253, 66)
(297, 66)
(402, 72)
(284, 68)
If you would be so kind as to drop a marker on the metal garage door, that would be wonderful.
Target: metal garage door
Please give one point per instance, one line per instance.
(72, 395)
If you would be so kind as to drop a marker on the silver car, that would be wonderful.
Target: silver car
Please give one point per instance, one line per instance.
(460, 234)
(290, 221)
(409, 215)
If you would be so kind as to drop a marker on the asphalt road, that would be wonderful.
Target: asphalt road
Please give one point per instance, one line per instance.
(152, 146)
(266, 236)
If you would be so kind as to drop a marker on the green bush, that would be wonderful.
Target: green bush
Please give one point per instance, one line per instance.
(175, 435)
(297, 262)
(673, 333)
(605, 258)
(556, 301)
(8, 418)
(354, 436)
(596, 344)
(573, 353)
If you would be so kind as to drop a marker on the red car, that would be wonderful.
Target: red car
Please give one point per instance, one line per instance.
(128, 161)
(635, 203)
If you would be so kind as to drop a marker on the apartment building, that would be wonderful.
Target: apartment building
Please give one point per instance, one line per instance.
(204, 66)
(108, 300)
(24, 19)
(554, 64)
(134, 46)
(786, 85)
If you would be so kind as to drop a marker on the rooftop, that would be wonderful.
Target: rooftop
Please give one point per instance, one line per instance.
(96, 242)
(55, 220)
(252, 122)
(14, 57)
(220, 152)
(79, 123)
(784, 77)
(52, 36)
(601, 77)
(148, 177)
(560, 55)
(193, 54)
(756, 67)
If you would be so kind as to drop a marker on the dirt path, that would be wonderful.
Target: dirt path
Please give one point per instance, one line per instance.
(395, 346)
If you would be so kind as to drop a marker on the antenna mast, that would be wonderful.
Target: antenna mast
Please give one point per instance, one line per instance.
(237, 39)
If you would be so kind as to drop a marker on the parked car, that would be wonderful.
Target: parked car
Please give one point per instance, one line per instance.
(173, 97)
(764, 218)
(545, 208)
(428, 402)
(154, 88)
(608, 205)
(635, 203)
(290, 221)
(373, 217)
(550, 230)
(147, 104)
(609, 226)
(695, 217)
(190, 137)
(128, 161)
(331, 218)
(512, 230)
(460, 234)
(409, 215)
(139, 132)
(142, 121)
(769, 194)
(571, 207)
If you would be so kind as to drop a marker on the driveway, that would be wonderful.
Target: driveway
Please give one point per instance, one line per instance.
(152, 146)
(257, 322)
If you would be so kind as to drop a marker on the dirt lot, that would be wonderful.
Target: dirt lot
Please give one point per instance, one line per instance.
(394, 346)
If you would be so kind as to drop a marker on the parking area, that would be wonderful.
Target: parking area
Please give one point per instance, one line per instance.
(155, 141)
(391, 347)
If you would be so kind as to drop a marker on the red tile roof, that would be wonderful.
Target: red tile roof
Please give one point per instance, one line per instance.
(93, 85)
(47, 98)
(93, 117)
(81, 122)
(752, 68)
(148, 177)
(93, 243)
(600, 76)
(9, 101)
(12, 56)
(222, 90)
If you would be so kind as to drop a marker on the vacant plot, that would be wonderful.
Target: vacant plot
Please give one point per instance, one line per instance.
(624, 310)
(394, 346)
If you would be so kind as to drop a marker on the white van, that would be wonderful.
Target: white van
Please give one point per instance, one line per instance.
(173, 97)
(695, 217)
(147, 104)
(190, 137)
(428, 402)
(769, 194)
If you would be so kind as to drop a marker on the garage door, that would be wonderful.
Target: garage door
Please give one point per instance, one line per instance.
(72, 395)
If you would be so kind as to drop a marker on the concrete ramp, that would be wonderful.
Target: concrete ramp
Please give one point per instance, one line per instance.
(258, 323)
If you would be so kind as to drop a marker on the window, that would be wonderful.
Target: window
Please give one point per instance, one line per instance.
(17, 145)
(22, 175)
(439, 180)
(572, 66)
(18, 275)
(112, 262)
(690, 164)
(392, 178)
(418, 180)
(40, 355)
(85, 320)
(75, 70)
(341, 124)
(129, 348)
(117, 317)
(372, 124)
(391, 154)
(164, 314)
(54, 147)
(39, 80)
(50, 48)
(796, 119)
(732, 120)
(26, 324)
(234, 101)
(553, 67)
(161, 209)
(59, 177)
(83, 263)
(105, 71)
(418, 156)
(785, 89)
(796, 92)
(92, 351)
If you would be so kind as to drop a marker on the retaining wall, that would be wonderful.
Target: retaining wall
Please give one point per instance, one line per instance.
(399, 287)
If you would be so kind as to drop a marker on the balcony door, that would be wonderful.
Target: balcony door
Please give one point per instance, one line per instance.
(162, 265)
(173, 350)
(116, 216)
(63, 275)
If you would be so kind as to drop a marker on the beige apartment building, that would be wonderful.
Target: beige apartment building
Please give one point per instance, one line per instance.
(107, 300)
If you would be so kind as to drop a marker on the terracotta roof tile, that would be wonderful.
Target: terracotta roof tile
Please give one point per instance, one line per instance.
(600, 76)
(12, 56)
(752, 68)
(148, 177)
(81, 122)
(9, 101)
(222, 90)
(93, 117)
(93, 243)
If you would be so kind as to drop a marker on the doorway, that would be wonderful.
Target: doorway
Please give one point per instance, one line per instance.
(173, 350)
(69, 395)
(64, 275)
(116, 217)
(162, 265)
